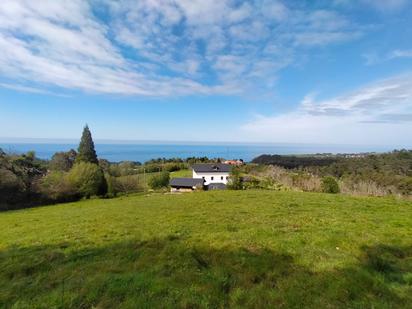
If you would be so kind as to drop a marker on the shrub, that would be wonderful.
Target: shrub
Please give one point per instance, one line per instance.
(406, 186)
(363, 188)
(330, 185)
(63, 161)
(159, 181)
(235, 180)
(173, 167)
(265, 183)
(56, 187)
(123, 184)
(88, 179)
(11, 187)
(128, 168)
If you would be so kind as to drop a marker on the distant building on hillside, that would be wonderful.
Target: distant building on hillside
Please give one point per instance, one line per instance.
(234, 162)
(186, 184)
(209, 176)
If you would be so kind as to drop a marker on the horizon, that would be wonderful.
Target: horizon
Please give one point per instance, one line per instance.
(143, 151)
(72, 141)
(256, 71)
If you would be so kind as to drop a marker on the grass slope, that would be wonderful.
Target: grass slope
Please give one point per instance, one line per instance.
(181, 173)
(209, 249)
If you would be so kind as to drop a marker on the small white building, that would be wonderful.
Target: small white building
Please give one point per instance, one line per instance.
(215, 173)
(186, 184)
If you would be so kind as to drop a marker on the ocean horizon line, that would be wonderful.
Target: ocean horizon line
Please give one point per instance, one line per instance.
(144, 151)
(97, 141)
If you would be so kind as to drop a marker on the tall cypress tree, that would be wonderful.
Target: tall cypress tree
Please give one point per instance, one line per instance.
(86, 151)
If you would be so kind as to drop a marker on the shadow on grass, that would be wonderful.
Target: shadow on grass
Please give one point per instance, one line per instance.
(169, 273)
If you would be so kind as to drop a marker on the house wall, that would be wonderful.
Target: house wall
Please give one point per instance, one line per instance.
(217, 177)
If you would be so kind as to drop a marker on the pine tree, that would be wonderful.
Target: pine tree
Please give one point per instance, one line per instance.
(86, 151)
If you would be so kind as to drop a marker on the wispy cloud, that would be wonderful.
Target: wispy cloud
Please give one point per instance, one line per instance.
(380, 5)
(28, 89)
(369, 101)
(400, 54)
(160, 47)
(374, 58)
(366, 115)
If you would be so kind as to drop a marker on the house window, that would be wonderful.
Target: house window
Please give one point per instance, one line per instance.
(227, 177)
(221, 178)
(211, 178)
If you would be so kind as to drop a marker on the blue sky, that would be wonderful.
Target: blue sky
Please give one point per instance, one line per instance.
(321, 71)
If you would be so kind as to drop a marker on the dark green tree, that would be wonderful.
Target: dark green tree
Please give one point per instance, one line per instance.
(86, 151)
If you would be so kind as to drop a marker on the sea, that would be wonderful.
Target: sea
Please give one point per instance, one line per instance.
(142, 152)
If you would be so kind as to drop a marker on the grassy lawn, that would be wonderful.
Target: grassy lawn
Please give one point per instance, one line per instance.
(209, 249)
(141, 179)
(181, 173)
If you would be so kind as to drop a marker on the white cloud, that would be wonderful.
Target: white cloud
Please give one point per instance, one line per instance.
(241, 13)
(214, 33)
(27, 89)
(380, 5)
(375, 114)
(275, 10)
(373, 58)
(159, 47)
(400, 54)
(63, 45)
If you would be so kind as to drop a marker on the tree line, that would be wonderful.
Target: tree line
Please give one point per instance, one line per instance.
(27, 181)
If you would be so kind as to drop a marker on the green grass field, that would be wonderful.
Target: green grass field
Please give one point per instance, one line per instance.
(181, 173)
(256, 249)
(143, 179)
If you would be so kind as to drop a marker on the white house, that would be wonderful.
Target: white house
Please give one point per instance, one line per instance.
(208, 176)
(215, 173)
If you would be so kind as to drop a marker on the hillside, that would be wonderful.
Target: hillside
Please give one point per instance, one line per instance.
(376, 174)
(209, 249)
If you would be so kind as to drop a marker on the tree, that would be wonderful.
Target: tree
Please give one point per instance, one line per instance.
(86, 151)
(406, 186)
(104, 165)
(88, 179)
(56, 187)
(11, 188)
(63, 161)
(235, 180)
(160, 181)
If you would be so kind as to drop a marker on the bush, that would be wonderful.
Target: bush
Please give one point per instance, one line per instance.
(160, 181)
(235, 180)
(330, 185)
(406, 186)
(265, 183)
(173, 167)
(88, 179)
(55, 186)
(11, 187)
(62, 161)
(123, 184)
